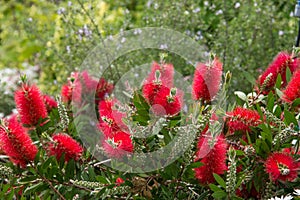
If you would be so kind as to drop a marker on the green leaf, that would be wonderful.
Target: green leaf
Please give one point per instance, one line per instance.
(47, 163)
(215, 188)
(32, 188)
(220, 180)
(196, 165)
(70, 168)
(279, 93)
(27, 179)
(271, 100)
(102, 179)
(278, 81)
(219, 195)
(289, 118)
(296, 102)
(288, 74)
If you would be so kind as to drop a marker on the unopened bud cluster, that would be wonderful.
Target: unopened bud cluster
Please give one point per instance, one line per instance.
(284, 135)
(88, 184)
(272, 118)
(266, 82)
(5, 171)
(62, 111)
(268, 193)
(231, 173)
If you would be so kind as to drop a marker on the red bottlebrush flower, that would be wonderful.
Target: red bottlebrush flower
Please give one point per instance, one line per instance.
(66, 93)
(119, 181)
(103, 88)
(281, 166)
(49, 102)
(16, 143)
(64, 144)
(240, 119)
(30, 104)
(72, 90)
(207, 80)
(167, 102)
(278, 66)
(89, 82)
(118, 145)
(110, 119)
(166, 74)
(214, 159)
(292, 90)
(150, 91)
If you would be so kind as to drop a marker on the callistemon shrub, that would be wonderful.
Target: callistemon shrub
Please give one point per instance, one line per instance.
(248, 149)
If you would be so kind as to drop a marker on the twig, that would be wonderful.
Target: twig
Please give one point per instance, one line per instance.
(48, 182)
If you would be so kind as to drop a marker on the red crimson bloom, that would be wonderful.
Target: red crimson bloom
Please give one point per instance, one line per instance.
(82, 84)
(167, 101)
(119, 181)
(166, 74)
(30, 104)
(292, 90)
(150, 91)
(281, 166)
(16, 143)
(64, 144)
(89, 82)
(66, 93)
(110, 119)
(207, 80)
(281, 62)
(213, 158)
(72, 90)
(49, 102)
(118, 145)
(103, 88)
(240, 119)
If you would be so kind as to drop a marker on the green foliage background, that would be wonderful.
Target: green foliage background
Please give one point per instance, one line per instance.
(246, 35)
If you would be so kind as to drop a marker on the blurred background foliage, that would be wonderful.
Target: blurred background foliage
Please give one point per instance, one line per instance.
(56, 36)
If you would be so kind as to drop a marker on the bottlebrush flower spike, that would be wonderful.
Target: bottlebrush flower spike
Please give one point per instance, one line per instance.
(292, 90)
(49, 102)
(30, 104)
(110, 120)
(103, 88)
(166, 74)
(118, 145)
(281, 166)
(64, 144)
(167, 101)
(150, 91)
(89, 82)
(278, 66)
(214, 159)
(16, 143)
(240, 119)
(207, 80)
(72, 90)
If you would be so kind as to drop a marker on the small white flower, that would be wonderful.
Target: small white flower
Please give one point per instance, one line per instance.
(68, 49)
(237, 5)
(61, 10)
(196, 10)
(219, 12)
(280, 33)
